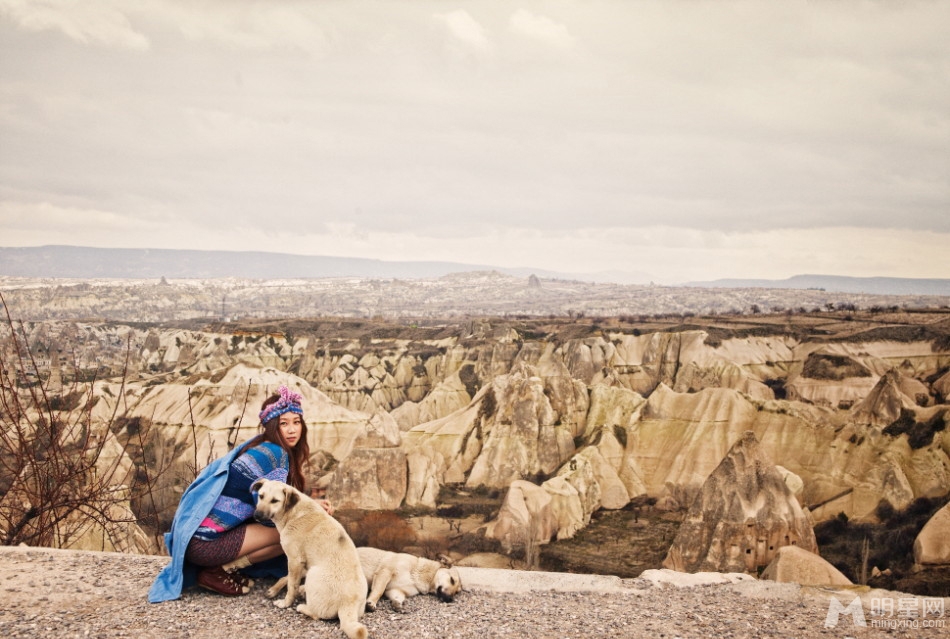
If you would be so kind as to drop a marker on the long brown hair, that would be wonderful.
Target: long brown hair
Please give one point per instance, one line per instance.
(299, 454)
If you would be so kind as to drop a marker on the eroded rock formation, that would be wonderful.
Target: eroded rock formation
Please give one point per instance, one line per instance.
(744, 514)
(932, 546)
(793, 564)
(592, 420)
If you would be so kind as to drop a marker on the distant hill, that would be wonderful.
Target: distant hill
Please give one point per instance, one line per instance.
(841, 284)
(84, 262)
(88, 262)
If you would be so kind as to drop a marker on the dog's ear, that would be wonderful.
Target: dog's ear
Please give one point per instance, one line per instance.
(291, 497)
(445, 561)
(256, 486)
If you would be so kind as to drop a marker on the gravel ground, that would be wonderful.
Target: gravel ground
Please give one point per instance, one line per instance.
(51, 593)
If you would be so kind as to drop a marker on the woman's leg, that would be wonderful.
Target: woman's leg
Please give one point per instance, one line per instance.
(220, 560)
(260, 543)
(238, 548)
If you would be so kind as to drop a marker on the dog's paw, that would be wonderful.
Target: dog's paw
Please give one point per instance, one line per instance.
(281, 603)
(278, 586)
(370, 606)
(397, 606)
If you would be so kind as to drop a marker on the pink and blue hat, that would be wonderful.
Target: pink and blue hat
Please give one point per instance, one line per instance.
(288, 402)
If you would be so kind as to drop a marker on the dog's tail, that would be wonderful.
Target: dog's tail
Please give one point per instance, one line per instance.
(349, 616)
(349, 623)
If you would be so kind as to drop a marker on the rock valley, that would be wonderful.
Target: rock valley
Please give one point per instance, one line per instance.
(560, 417)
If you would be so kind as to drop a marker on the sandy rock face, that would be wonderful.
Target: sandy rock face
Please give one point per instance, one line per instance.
(796, 565)
(684, 362)
(613, 493)
(743, 515)
(567, 507)
(793, 481)
(932, 545)
(452, 440)
(612, 405)
(425, 478)
(942, 385)
(681, 437)
(510, 430)
(883, 404)
(370, 478)
(446, 398)
(374, 475)
(559, 507)
(525, 517)
(523, 435)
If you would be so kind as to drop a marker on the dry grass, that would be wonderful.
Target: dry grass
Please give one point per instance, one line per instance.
(891, 546)
(617, 542)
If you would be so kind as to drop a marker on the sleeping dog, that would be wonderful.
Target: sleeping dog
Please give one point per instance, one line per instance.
(401, 575)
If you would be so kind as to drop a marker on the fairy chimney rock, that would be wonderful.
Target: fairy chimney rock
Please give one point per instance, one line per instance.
(744, 513)
(883, 404)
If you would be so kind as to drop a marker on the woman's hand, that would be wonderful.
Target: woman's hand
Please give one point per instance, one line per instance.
(317, 494)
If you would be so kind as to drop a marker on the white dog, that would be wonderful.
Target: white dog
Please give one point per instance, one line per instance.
(401, 575)
(317, 544)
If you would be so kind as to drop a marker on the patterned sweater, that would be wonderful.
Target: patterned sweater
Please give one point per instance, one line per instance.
(236, 503)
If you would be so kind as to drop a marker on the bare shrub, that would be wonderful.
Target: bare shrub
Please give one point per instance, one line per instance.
(832, 367)
(919, 434)
(65, 478)
(856, 547)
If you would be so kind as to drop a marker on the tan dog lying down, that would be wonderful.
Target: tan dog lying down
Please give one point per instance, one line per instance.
(316, 543)
(401, 575)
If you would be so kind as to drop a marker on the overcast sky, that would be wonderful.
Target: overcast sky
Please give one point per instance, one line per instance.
(682, 140)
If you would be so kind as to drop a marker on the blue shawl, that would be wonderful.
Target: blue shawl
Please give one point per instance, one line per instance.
(196, 502)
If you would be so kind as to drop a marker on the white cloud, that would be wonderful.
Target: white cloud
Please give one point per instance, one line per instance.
(465, 30)
(541, 28)
(248, 25)
(97, 23)
(678, 138)
(48, 223)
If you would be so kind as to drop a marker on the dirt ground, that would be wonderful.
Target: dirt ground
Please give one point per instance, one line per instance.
(63, 594)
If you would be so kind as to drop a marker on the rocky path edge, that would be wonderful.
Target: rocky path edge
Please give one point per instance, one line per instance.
(61, 593)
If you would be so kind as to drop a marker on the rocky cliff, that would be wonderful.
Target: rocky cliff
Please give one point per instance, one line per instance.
(565, 418)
